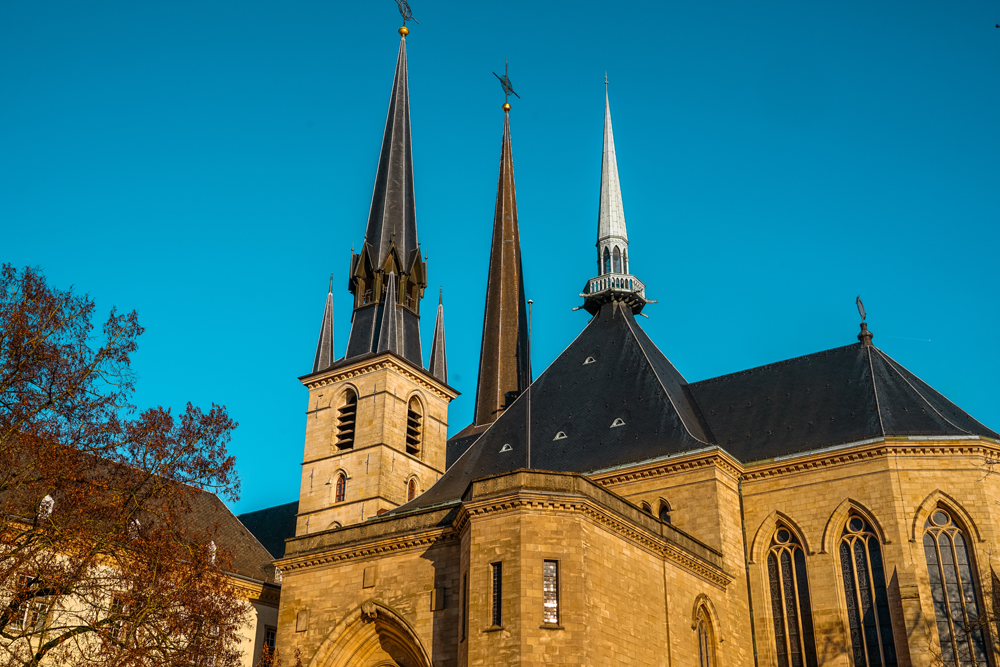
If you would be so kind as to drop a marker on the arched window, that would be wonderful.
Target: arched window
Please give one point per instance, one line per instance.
(953, 591)
(706, 643)
(625, 260)
(414, 420)
(341, 488)
(607, 261)
(867, 604)
(618, 260)
(347, 418)
(411, 490)
(664, 511)
(647, 508)
(786, 574)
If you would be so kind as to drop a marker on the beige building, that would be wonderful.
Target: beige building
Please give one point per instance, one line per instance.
(831, 509)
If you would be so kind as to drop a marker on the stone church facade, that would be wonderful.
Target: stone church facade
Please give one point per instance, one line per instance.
(831, 509)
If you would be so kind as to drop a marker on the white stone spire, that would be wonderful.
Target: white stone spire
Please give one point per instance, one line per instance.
(614, 280)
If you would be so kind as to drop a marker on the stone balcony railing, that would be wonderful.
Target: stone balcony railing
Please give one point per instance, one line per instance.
(618, 282)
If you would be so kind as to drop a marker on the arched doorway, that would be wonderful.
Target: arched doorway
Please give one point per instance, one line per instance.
(372, 636)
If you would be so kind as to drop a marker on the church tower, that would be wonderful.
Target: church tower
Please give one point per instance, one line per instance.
(504, 369)
(377, 420)
(614, 280)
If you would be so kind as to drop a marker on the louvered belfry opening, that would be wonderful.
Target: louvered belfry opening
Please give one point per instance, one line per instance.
(414, 424)
(347, 418)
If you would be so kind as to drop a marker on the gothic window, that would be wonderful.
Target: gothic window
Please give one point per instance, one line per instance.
(411, 490)
(706, 645)
(550, 592)
(647, 508)
(347, 417)
(953, 591)
(414, 419)
(664, 511)
(607, 261)
(618, 260)
(341, 488)
(864, 587)
(786, 573)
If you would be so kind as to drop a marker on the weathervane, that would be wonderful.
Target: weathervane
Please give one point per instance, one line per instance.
(508, 89)
(405, 12)
(861, 308)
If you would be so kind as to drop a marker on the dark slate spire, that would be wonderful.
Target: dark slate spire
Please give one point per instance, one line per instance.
(388, 335)
(503, 363)
(390, 245)
(324, 348)
(439, 361)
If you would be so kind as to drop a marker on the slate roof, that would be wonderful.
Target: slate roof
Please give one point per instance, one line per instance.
(272, 526)
(838, 396)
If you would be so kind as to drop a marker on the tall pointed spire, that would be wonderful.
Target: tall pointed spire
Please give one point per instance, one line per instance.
(390, 246)
(324, 348)
(614, 280)
(503, 361)
(439, 360)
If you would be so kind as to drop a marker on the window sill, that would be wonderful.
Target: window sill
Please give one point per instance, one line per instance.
(551, 626)
(494, 628)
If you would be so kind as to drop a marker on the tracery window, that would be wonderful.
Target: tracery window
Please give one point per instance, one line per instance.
(341, 488)
(414, 420)
(618, 260)
(864, 587)
(953, 591)
(607, 261)
(347, 417)
(786, 574)
(706, 645)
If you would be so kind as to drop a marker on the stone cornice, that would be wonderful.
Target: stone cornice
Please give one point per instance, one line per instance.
(388, 362)
(717, 458)
(355, 551)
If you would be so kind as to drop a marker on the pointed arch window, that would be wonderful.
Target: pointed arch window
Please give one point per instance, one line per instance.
(664, 511)
(607, 261)
(794, 639)
(953, 592)
(706, 643)
(647, 508)
(347, 417)
(411, 490)
(340, 490)
(618, 260)
(414, 426)
(863, 574)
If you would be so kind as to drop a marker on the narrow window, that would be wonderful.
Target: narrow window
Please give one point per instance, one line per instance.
(867, 603)
(118, 614)
(270, 637)
(550, 586)
(347, 418)
(618, 260)
(497, 594)
(647, 508)
(341, 488)
(411, 490)
(414, 418)
(607, 261)
(706, 647)
(786, 572)
(664, 511)
(465, 604)
(953, 588)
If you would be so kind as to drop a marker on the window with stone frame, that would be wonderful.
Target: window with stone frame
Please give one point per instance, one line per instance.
(794, 639)
(954, 592)
(414, 426)
(347, 418)
(706, 639)
(665, 511)
(496, 595)
(340, 490)
(31, 613)
(550, 592)
(617, 258)
(411, 490)
(607, 261)
(863, 576)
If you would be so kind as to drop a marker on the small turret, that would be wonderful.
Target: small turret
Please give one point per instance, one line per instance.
(324, 348)
(439, 360)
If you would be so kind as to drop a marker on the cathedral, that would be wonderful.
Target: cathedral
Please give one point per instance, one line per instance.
(831, 509)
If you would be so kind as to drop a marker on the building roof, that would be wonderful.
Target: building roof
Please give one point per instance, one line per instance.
(612, 399)
(272, 526)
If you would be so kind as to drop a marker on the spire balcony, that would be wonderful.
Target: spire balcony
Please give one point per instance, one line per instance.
(623, 287)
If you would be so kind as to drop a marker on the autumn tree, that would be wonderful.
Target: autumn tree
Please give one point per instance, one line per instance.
(102, 561)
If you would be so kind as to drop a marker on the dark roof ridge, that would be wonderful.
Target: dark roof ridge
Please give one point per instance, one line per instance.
(893, 363)
(878, 404)
(773, 364)
(630, 321)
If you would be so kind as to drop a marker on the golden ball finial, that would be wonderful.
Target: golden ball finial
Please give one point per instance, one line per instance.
(403, 31)
(506, 106)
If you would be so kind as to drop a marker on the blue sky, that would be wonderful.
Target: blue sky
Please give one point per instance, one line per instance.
(210, 164)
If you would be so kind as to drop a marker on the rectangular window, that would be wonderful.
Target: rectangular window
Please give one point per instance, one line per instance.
(496, 618)
(465, 603)
(270, 637)
(551, 592)
(30, 616)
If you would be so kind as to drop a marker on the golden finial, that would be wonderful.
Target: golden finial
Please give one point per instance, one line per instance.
(506, 106)
(404, 31)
